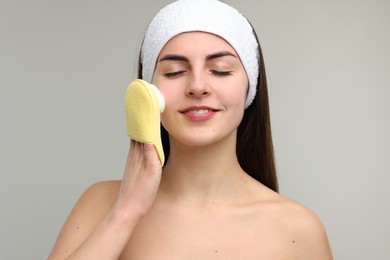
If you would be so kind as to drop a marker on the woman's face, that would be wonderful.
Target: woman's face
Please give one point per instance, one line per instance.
(204, 85)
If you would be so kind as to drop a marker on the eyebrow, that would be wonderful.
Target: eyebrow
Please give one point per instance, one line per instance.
(219, 55)
(173, 57)
(216, 55)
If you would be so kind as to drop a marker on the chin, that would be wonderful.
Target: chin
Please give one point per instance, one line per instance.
(203, 139)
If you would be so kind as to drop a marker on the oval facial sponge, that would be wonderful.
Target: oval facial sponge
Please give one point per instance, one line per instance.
(144, 103)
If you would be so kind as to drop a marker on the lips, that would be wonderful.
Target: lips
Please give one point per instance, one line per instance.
(199, 113)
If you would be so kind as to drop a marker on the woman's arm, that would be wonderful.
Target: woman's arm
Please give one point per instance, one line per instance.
(105, 216)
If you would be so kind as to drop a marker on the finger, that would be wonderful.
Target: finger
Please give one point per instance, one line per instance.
(150, 153)
(131, 148)
(135, 152)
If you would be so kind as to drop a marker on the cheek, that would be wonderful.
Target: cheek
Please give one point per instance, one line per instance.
(236, 93)
(171, 99)
(166, 91)
(170, 95)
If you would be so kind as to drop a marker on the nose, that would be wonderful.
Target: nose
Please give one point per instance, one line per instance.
(197, 86)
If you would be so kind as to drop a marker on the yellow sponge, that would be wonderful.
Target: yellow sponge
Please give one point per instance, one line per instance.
(144, 103)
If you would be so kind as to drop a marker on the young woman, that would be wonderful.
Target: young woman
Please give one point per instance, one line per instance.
(216, 197)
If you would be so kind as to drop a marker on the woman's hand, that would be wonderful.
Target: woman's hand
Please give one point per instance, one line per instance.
(141, 179)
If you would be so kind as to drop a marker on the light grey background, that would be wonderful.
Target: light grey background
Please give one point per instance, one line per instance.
(65, 65)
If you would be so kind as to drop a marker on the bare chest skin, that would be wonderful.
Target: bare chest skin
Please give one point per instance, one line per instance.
(212, 232)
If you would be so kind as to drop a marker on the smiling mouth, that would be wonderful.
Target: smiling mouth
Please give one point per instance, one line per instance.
(200, 111)
(199, 114)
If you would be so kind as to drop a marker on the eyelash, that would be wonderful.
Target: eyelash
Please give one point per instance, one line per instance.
(221, 73)
(175, 74)
(215, 72)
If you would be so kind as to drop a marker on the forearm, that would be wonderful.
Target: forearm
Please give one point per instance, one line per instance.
(109, 238)
(105, 216)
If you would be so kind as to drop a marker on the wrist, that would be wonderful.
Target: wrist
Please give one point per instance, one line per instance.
(124, 219)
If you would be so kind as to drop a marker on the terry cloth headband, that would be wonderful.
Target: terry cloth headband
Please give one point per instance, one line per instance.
(210, 16)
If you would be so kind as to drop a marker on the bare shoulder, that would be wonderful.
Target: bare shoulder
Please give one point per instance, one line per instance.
(105, 191)
(301, 219)
(97, 199)
(306, 233)
(91, 207)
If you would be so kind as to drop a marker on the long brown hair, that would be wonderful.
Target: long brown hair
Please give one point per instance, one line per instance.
(254, 148)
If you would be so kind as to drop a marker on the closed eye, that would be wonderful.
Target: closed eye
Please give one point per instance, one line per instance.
(173, 74)
(221, 73)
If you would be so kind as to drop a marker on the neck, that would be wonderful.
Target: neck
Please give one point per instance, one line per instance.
(202, 174)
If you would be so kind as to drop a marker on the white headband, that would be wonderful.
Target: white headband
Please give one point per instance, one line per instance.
(210, 16)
